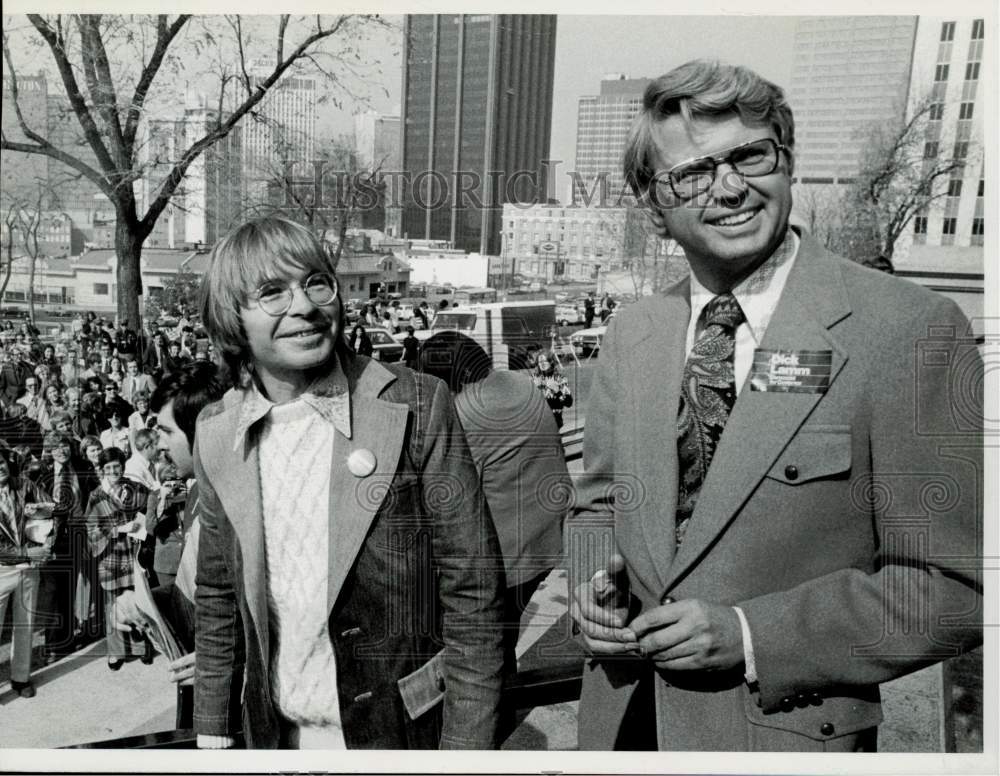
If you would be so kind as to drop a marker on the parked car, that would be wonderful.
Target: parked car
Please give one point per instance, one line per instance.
(568, 314)
(587, 342)
(386, 348)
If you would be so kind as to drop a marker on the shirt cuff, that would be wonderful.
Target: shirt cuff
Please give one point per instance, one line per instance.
(750, 672)
(206, 741)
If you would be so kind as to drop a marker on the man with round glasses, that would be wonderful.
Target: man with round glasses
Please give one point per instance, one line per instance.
(762, 443)
(342, 525)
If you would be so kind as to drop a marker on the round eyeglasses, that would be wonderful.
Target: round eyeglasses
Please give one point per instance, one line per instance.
(750, 160)
(275, 296)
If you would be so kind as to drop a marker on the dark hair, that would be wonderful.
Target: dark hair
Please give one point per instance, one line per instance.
(191, 388)
(13, 461)
(455, 358)
(55, 439)
(109, 455)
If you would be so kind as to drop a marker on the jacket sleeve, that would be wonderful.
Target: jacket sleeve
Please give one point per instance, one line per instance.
(218, 630)
(589, 532)
(923, 602)
(471, 582)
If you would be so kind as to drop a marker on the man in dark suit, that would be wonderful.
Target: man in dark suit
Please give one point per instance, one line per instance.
(814, 529)
(57, 582)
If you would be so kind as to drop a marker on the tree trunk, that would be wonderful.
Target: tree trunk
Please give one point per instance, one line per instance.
(128, 247)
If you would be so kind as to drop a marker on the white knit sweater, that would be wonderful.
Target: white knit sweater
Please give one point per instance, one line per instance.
(295, 453)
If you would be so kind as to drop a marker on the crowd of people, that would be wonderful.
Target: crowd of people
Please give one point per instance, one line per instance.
(777, 511)
(86, 489)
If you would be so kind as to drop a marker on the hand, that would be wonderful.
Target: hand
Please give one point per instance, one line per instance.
(600, 608)
(127, 614)
(690, 635)
(182, 669)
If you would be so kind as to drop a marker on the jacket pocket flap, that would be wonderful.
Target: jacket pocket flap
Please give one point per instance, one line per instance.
(812, 455)
(820, 717)
(423, 689)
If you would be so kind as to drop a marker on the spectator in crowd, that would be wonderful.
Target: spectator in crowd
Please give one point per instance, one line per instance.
(548, 378)
(135, 382)
(270, 304)
(754, 467)
(115, 373)
(112, 435)
(116, 518)
(411, 348)
(361, 343)
(142, 417)
(141, 466)
(174, 359)
(154, 355)
(519, 458)
(422, 313)
(588, 310)
(93, 370)
(113, 402)
(22, 548)
(90, 452)
(14, 370)
(17, 429)
(69, 370)
(177, 402)
(57, 583)
(53, 403)
(33, 402)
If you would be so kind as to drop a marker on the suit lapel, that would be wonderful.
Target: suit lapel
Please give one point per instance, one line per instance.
(378, 427)
(762, 423)
(236, 479)
(655, 429)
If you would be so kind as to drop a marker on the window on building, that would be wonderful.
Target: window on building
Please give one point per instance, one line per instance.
(941, 73)
(920, 225)
(979, 191)
(965, 111)
(961, 150)
(936, 111)
(100, 289)
(948, 225)
(930, 149)
(954, 188)
(972, 71)
(977, 29)
(978, 227)
(948, 31)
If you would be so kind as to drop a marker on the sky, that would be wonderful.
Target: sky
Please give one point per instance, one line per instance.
(588, 47)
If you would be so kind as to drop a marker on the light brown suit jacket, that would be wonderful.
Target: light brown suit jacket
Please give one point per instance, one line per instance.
(846, 525)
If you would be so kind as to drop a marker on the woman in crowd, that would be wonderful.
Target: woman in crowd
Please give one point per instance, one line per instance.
(20, 554)
(116, 431)
(549, 379)
(90, 453)
(112, 515)
(352, 566)
(115, 372)
(142, 417)
(361, 343)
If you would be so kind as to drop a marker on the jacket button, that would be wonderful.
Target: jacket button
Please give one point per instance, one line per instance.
(792, 472)
(787, 704)
(801, 700)
(816, 699)
(826, 729)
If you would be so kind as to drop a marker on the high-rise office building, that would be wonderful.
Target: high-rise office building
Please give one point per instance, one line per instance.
(212, 186)
(602, 126)
(376, 146)
(283, 132)
(477, 115)
(847, 72)
(947, 63)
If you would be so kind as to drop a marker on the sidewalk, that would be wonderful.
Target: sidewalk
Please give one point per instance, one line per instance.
(80, 701)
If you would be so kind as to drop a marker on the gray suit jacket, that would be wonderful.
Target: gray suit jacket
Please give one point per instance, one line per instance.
(846, 525)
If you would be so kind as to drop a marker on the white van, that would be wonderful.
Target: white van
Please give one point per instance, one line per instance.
(510, 332)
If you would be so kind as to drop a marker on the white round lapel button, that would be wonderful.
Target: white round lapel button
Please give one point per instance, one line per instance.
(361, 462)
